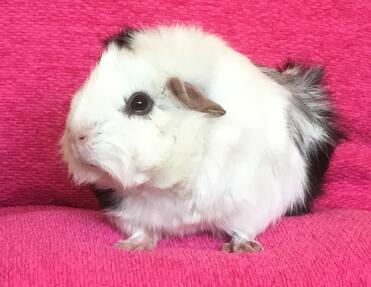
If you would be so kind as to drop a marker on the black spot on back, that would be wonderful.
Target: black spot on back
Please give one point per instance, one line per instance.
(123, 38)
(309, 103)
(318, 162)
(107, 198)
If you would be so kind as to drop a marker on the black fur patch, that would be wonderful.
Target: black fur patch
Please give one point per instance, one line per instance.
(123, 38)
(310, 105)
(107, 198)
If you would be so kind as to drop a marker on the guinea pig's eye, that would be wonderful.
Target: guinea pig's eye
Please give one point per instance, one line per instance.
(139, 104)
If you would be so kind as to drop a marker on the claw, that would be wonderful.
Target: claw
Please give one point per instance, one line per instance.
(242, 246)
(134, 245)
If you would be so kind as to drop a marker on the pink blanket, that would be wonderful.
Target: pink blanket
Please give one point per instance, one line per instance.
(47, 49)
(72, 247)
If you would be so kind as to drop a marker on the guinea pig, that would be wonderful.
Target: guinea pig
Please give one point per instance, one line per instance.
(178, 133)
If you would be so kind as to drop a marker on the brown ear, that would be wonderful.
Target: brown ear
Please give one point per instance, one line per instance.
(193, 98)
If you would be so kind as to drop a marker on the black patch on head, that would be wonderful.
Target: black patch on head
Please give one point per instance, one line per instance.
(310, 105)
(107, 198)
(123, 38)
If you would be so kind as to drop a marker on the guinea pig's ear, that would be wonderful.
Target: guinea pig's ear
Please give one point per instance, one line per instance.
(191, 97)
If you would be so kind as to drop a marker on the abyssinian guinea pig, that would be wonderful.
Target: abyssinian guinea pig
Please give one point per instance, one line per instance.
(178, 133)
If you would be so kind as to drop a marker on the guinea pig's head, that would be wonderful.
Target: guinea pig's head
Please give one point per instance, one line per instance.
(125, 120)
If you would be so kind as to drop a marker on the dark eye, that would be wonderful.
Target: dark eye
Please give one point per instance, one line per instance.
(139, 104)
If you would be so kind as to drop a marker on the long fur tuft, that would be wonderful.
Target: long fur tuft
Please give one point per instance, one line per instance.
(311, 123)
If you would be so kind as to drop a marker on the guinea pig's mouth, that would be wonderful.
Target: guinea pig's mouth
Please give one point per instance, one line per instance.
(82, 156)
(90, 165)
(86, 162)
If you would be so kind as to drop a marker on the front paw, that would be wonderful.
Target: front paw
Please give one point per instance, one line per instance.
(135, 244)
(242, 246)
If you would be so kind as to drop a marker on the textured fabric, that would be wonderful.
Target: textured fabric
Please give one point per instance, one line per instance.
(48, 48)
(55, 246)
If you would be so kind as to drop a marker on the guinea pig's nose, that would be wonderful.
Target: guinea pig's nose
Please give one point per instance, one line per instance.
(80, 136)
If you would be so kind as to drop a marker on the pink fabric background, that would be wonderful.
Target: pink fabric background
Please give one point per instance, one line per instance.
(72, 247)
(47, 49)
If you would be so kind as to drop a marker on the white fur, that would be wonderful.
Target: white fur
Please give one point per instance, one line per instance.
(182, 171)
